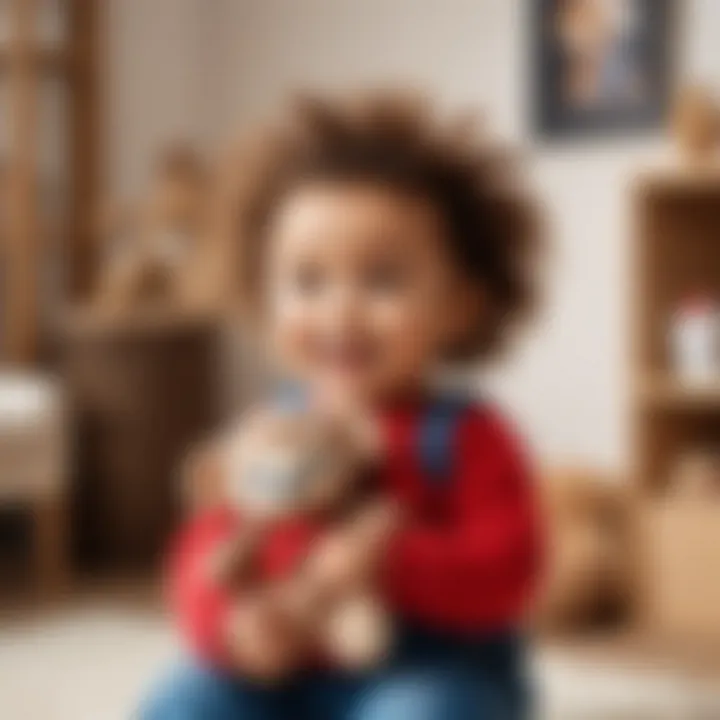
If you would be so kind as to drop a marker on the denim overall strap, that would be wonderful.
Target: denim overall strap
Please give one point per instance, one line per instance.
(436, 437)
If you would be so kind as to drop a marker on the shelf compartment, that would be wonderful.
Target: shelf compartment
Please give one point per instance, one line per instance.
(678, 256)
(661, 390)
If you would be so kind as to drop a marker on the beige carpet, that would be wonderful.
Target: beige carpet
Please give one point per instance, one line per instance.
(95, 661)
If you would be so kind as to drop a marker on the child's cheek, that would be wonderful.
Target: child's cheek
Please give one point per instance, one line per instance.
(406, 331)
(291, 330)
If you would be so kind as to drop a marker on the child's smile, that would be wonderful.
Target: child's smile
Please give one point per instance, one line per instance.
(344, 354)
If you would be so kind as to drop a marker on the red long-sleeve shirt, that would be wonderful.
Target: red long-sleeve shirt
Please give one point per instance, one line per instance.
(467, 560)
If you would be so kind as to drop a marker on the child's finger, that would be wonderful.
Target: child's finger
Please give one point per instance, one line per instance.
(259, 642)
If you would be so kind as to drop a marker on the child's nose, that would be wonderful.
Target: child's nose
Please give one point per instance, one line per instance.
(344, 308)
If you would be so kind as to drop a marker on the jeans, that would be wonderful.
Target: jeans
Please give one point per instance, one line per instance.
(429, 678)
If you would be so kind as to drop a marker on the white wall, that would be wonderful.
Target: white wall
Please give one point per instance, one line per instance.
(155, 88)
(701, 47)
(569, 383)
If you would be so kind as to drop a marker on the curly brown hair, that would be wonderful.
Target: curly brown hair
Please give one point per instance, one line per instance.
(395, 140)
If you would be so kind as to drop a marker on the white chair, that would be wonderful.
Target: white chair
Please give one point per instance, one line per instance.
(33, 466)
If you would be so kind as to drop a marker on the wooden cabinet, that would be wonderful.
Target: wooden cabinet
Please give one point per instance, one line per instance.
(143, 391)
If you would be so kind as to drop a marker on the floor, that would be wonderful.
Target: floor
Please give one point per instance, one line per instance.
(93, 660)
(89, 663)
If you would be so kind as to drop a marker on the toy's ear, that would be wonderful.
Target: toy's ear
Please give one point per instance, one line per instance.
(204, 474)
(202, 478)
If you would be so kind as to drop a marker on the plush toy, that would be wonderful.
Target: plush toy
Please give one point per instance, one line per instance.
(154, 253)
(284, 466)
(590, 553)
(696, 124)
(696, 474)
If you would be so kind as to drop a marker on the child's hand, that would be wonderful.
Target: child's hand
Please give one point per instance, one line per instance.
(234, 562)
(262, 642)
(359, 423)
(349, 558)
(376, 523)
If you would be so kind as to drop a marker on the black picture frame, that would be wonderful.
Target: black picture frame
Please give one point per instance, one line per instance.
(652, 45)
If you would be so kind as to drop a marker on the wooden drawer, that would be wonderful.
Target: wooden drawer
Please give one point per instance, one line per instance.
(683, 572)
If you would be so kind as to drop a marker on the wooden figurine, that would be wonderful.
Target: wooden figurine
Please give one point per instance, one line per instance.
(696, 125)
(155, 252)
(696, 475)
(588, 573)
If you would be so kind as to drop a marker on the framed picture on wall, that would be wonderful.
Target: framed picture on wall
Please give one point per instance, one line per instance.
(602, 66)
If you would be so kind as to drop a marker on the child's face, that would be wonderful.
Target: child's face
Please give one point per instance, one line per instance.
(362, 294)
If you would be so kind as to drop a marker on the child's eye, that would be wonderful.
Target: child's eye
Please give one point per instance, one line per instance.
(309, 279)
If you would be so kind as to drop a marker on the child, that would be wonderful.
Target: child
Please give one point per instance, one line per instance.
(374, 246)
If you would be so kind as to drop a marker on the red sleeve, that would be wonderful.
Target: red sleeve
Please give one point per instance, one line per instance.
(477, 570)
(198, 604)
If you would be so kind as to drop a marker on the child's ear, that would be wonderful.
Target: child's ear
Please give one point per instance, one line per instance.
(468, 307)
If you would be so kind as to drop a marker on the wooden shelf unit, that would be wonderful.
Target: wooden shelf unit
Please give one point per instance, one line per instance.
(49, 163)
(677, 255)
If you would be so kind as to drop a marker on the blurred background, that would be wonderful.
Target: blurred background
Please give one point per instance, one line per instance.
(116, 354)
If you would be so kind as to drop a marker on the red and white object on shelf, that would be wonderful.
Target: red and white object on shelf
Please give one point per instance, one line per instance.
(694, 340)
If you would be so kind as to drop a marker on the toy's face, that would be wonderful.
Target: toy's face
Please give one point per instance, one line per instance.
(287, 463)
(172, 246)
